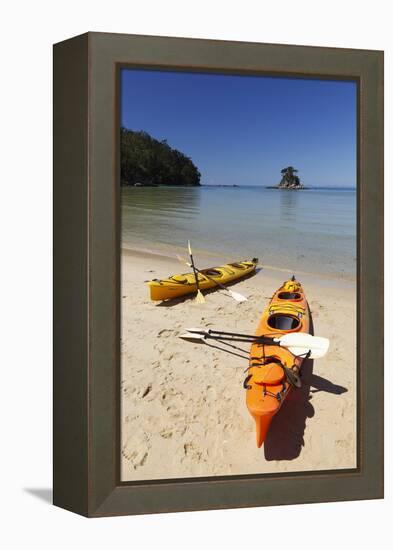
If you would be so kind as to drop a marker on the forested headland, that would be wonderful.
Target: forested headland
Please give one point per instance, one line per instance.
(145, 161)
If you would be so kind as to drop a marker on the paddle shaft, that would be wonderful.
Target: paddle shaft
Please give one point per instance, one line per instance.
(211, 279)
(252, 337)
(193, 267)
(205, 275)
(235, 295)
(295, 342)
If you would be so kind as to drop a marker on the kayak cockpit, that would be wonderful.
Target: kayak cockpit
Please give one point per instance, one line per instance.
(283, 322)
(293, 296)
(212, 273)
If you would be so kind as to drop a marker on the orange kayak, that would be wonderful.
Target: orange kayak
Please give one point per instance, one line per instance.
(269, 380)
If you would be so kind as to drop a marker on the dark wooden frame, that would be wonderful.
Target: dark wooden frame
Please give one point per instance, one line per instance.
(86, 275)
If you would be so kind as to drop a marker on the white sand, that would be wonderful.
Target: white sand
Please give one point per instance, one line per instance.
(183, 404)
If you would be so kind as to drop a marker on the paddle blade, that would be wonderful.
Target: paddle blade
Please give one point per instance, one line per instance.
(322, 349)
(299, 343)
(200, 299)
(237, 296)
(183, 260)
(293, 377)
(189, 248)
(193, 337)
(197, 330)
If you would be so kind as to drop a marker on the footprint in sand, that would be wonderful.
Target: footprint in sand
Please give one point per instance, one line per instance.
(159, 347)
(165, 333)
(193, 452)
(136, 449)
(127, 391)
(146, 390)
(137, 459)
(166, 433)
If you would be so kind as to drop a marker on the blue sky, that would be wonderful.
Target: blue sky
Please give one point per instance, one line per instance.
(242, 130)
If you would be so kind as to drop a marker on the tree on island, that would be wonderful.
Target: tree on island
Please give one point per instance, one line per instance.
(289, 180)
(145, 161)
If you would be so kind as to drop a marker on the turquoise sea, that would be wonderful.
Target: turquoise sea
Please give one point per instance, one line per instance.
(312, 230)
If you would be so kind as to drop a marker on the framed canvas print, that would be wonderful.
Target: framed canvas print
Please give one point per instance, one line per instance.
(218, 274)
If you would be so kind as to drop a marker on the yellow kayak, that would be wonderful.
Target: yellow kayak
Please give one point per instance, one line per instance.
(180, 285)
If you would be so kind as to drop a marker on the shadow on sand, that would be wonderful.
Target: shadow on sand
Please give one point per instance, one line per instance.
(243, 355)
(285, 438)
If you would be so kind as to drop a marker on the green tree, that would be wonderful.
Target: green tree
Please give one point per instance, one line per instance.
(147, 161)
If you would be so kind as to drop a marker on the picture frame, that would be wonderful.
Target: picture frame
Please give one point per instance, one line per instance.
(86, 386)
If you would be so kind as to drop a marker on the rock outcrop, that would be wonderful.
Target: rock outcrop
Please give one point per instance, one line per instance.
(289, 180)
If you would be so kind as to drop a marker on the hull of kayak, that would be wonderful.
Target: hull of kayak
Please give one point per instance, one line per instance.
(183, 284)
(266, 383)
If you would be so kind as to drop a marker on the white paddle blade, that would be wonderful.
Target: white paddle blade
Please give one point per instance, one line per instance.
(300, 343)
(197, 330)
(189, 248)
(322, 349)
(314, 353)
(236, 296)
(190, 336)
(183, 260)
(200, 299)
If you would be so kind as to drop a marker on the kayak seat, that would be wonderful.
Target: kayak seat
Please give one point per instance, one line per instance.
(268, 375)
(179, 279)
(237, 266)
(283, 322)
(212, 272)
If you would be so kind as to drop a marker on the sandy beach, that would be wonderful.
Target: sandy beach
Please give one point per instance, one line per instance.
(183, 404)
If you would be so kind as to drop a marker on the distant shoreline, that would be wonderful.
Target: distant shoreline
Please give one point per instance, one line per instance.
(287, 188)
(246, 186)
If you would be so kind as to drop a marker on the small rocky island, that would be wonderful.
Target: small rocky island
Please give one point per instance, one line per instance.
(289, 180)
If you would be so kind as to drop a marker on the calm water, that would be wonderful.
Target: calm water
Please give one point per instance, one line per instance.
(311, 230)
